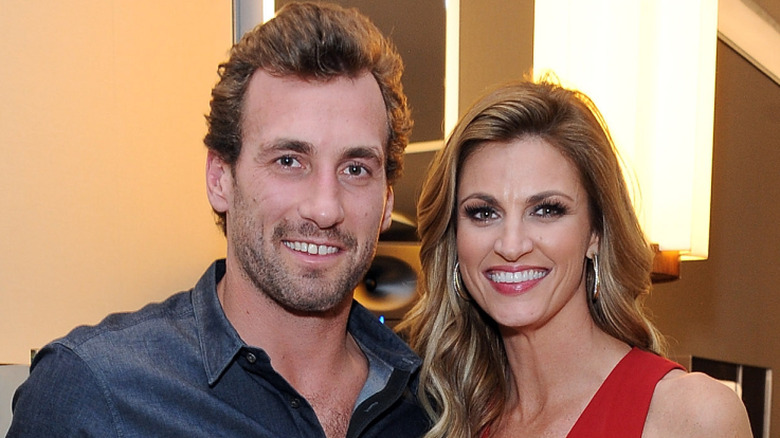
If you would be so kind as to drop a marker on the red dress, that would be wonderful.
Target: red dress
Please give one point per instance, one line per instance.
(619, 408)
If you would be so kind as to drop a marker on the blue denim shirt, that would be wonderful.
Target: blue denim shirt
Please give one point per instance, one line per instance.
(178, 368)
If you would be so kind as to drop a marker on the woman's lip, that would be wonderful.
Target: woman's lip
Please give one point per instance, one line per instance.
(515, 281)
(515, 276)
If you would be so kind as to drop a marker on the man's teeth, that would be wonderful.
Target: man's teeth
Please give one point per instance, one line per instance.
(311, 248)
(516, 277)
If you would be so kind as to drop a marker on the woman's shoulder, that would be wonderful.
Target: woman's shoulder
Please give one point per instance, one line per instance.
(695, 404)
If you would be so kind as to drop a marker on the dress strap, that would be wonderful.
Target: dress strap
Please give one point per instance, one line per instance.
(619, 408)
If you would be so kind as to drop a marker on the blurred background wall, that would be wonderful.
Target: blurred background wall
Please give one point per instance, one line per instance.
(102, 159)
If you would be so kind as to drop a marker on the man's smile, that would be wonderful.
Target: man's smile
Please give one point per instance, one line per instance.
(310, 248)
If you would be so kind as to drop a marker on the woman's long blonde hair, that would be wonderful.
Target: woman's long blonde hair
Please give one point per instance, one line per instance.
(463, 382)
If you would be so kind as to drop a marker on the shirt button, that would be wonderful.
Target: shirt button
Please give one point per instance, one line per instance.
(251, 358)
(295, 403)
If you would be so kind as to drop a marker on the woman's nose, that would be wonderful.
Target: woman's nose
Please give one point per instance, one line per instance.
(514, 241)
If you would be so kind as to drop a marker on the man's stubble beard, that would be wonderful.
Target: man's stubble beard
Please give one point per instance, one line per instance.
(310, 291)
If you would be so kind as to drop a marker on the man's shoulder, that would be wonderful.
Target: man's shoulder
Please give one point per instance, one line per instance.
(124, 328)
(76, 381)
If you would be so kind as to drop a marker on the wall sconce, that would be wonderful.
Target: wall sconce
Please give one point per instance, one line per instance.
(650, 69)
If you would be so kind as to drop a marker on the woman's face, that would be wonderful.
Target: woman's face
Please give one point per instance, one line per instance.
(523, 233)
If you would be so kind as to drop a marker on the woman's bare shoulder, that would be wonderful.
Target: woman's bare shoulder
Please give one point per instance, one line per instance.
(695, 405)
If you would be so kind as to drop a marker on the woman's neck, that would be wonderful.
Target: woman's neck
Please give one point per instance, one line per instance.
(554, 371)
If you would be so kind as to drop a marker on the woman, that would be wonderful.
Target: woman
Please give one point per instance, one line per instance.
(534, 268)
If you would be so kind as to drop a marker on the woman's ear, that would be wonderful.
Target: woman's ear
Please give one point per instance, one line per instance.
(593, 245)
(219, 182)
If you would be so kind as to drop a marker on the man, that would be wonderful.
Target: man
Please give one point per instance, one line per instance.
(307, 129)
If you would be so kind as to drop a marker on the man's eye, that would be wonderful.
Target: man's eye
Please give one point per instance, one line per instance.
(356, 170)
(288, 161)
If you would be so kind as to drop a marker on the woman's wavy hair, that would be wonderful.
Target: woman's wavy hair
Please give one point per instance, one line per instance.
(463, 382)
(311, 41)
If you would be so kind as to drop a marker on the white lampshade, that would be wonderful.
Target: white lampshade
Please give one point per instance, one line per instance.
(649, 66)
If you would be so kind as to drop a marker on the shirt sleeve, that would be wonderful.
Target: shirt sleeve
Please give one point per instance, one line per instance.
(61, 398)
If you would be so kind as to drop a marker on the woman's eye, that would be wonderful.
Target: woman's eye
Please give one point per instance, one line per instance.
(549, 210)
(481, 214)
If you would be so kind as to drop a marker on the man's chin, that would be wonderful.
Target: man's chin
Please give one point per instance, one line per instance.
(322, 308)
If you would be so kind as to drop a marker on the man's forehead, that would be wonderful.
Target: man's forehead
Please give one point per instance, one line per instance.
(292, 109)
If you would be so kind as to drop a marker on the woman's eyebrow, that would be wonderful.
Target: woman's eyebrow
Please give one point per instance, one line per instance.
(539, 197)
(484, 197)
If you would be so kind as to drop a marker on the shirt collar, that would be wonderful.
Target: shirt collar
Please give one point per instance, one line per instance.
(377, 338)
(220, 343)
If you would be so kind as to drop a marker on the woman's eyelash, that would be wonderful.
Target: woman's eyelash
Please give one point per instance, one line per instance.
(479, 212)
(545, 210)
(550, 209)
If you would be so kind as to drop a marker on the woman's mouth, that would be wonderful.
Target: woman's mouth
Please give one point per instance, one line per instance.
(516, 277)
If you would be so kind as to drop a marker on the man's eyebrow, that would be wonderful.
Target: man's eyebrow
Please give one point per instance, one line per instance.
(282, 145)
(305, 148)
(365, 152)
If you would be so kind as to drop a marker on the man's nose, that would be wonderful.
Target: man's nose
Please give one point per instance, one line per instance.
(322, 201)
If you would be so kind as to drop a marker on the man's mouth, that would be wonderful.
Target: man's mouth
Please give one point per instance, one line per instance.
(310, 248)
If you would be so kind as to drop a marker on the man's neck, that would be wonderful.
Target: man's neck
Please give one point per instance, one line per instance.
(300, 345)
(313, 352)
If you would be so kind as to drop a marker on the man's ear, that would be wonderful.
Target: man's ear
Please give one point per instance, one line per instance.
(387, 218)
(219, 182)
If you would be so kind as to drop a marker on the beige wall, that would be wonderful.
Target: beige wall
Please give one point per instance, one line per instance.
(101, 176)
(496, 45)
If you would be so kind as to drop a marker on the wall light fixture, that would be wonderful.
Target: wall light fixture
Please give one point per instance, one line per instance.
(649, 66)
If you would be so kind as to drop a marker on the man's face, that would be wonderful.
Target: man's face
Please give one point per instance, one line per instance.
(308, 197)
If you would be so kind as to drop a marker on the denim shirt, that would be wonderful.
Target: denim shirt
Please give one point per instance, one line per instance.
(178, 368)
